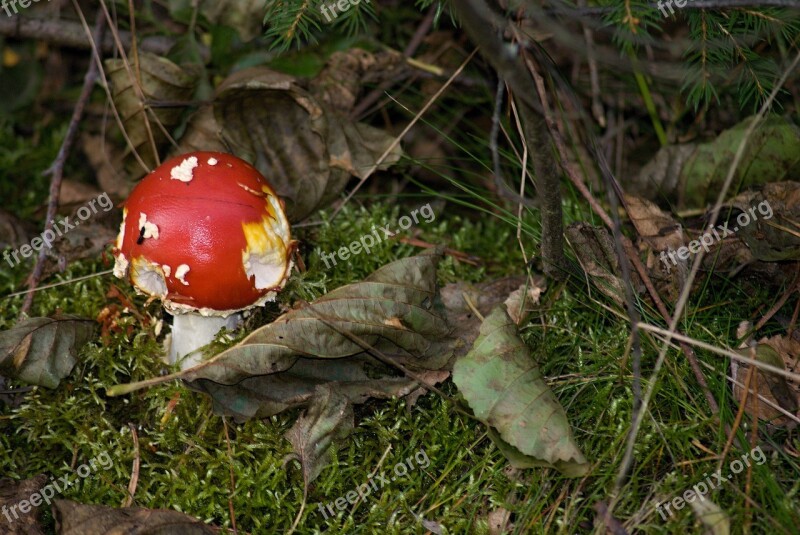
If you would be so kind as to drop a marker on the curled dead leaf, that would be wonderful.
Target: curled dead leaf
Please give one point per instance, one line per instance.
(595, 250)
(42, 351)
(307, 150)
(520, 302)
(73, 518)
(159, 80)
(768, 221)
(655, 227)
(781, 352)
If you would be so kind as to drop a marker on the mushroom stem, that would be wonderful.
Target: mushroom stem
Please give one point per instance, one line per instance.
(191, 332)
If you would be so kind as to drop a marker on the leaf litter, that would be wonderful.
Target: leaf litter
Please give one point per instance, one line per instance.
(323, 356)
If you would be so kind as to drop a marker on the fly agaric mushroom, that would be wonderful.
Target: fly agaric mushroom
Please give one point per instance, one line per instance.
(205, 233)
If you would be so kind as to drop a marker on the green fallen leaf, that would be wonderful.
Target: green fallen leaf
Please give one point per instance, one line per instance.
(772, 154)
(328, 418)
(42, 351)
(691, 175)
(503, 386)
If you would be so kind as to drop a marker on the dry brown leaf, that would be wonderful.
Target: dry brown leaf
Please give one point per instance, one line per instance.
(161, 80)
(768, 221)
(88, 240)
(500, 521)
(107, 166)
(519, 301)
(428, 377)
(657, 229)
(307, 149)
(595, 250)
(73, 518)
(11, 494)
(203, 133)
(74, 193)
(339, 83)
(782, 352)
(659, 177)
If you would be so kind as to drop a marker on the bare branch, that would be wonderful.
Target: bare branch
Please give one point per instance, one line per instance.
(70, 34)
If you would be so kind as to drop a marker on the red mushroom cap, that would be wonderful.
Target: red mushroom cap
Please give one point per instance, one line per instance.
(205, 231)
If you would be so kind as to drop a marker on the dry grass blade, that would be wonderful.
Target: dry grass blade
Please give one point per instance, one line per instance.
(408, 127)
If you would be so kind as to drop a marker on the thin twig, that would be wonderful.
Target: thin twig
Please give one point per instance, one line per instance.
(779, 304)
(793, 323)
(594, 79)
(107, 88)
(61, 32)
(767, 368)
(740, 413)
(233, 480)
(494, 131)
(400, 136)
(56, 284)
(458, 255)
(566, 9)
(56, 170)
(411, 48)
(133, 483)
(503, 189)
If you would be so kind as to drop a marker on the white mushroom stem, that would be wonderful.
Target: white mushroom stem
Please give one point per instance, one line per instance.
(191, 331)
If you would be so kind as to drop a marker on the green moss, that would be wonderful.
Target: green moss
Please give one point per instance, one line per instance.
(580, 346)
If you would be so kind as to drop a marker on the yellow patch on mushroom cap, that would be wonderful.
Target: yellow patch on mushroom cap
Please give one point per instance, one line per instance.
(267, 243)
(262, 238)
